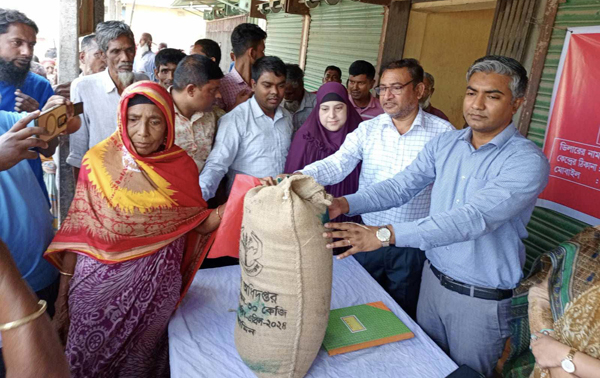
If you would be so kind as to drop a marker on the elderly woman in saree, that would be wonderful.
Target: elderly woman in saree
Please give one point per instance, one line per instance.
(136, 234)
(564, 309)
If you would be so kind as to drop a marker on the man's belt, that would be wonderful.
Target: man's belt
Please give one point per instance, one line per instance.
(470, 290)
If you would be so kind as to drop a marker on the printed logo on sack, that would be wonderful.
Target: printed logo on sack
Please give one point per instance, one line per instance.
(252, 249)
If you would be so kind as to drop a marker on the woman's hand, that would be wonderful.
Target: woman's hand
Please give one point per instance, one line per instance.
(61, 321)
(212, 222)
(548, 352)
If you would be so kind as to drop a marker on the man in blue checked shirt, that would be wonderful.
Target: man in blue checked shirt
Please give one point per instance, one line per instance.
(486, 179)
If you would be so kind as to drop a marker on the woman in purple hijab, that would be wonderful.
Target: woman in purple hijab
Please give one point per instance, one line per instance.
(322, 135)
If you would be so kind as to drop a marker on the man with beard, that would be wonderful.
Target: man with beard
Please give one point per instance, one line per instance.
(425, 101)
(101, 92)
(386, 145)
(166, 61)
(296, 99)
(20, 89)
(144, 61)
(91, 59)
(360, 83)
(253, 138)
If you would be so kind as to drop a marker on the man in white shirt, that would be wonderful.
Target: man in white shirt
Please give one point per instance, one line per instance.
(91, 60)
(195, 87)
(101, 92)
(296, 99)
(386, 145)
(253, 138)
(144, 61)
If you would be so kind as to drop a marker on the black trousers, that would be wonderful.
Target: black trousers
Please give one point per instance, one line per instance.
(398, 271)
(49, 294)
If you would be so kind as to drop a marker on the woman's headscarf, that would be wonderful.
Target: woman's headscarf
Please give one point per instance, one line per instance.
(128, 206)
(313, 142)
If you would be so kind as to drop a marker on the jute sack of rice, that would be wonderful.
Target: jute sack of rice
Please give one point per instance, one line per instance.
(285, 290)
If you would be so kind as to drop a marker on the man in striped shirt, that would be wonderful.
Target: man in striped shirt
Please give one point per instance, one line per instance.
(386, 145)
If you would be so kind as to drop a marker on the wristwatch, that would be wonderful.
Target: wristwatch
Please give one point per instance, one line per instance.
(384, 234)
(567, 364)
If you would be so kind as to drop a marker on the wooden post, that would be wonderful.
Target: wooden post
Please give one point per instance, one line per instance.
(118, 11)
(112, 10)
(395, 31)
(68, 70)
(535, 76)
(304, 42)
(386, 20)
(98, 12)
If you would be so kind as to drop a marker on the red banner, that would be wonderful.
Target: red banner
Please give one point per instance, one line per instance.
(573, 137)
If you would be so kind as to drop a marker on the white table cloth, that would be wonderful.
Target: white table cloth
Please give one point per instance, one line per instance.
(201, 342)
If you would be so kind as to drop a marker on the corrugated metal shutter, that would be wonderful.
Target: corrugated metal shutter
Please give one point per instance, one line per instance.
(548, 228)
(220, 31)
(339, 35)
(284, 36)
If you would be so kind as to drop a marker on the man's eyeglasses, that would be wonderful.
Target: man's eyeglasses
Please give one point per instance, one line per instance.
(396, 89)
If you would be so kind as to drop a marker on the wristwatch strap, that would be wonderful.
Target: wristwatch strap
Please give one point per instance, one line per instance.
(571, 354)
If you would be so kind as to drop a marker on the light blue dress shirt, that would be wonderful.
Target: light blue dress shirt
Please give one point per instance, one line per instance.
(247, 142)
(481, 201)
(145, 64)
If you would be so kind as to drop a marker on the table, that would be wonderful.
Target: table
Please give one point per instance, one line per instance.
(201, 342)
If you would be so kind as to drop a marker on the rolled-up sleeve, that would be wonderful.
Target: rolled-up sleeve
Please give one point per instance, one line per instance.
(221, 157)
(336, 167)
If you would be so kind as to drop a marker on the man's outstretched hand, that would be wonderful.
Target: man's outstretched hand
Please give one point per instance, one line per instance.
(338, 207)
(357, 236)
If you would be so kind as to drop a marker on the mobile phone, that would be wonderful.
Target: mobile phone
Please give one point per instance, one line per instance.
(54, 120)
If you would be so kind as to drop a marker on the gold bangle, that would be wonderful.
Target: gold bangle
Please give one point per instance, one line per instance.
(219, 215)
(65, 274)
(17, 323)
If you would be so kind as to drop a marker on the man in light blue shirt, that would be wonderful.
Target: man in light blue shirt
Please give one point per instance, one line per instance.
(254, 138)
(26, 222)
(296, 99)
(144, 61)
(486, 179)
